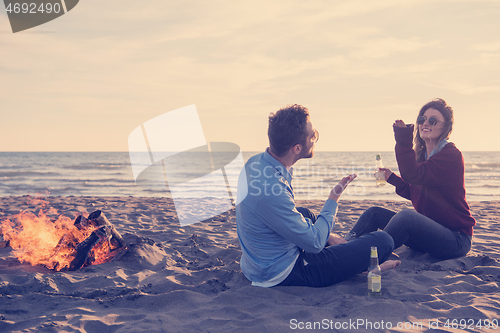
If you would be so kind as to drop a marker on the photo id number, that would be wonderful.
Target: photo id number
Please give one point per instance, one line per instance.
(31, 8)
(471, 324)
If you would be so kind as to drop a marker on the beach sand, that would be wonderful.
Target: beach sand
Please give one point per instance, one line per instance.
(188, 279)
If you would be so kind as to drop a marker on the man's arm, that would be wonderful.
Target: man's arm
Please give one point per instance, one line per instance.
(335, 193)
(280, 214)
(338, 189)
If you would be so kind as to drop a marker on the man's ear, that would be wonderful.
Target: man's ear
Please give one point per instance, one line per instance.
(297, 149)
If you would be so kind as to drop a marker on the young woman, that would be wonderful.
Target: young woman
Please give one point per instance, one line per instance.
(432, 177)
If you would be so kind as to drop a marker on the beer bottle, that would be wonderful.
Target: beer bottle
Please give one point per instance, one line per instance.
(374, 274)
(379, 175)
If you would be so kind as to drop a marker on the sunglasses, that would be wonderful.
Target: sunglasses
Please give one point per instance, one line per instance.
(314, 138)
(432, 120)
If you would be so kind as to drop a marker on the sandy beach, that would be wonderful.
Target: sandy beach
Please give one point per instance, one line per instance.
(188, 279)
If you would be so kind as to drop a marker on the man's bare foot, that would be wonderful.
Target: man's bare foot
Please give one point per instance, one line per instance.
(389, 264)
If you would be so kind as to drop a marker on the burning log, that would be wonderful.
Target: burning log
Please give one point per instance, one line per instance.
(63, 244)
(100, 220)
(104, 236)
(84, 249)
(4, 243)
(81, 222)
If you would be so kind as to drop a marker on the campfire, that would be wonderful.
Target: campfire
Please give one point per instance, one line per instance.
(62, 244)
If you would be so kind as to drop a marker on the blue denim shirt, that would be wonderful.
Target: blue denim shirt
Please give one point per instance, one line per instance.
(437, 149)
(270, 229)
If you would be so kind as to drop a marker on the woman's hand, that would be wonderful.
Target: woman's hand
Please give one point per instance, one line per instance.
(387, 172)
(399, 123)
(337, 190)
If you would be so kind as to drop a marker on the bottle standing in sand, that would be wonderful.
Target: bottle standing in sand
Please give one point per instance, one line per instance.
(374, 274)
(379, 174)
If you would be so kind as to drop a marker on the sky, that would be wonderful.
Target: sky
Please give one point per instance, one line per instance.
(86, 80)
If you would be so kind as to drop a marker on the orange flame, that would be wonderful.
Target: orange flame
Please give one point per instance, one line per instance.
(39, 241)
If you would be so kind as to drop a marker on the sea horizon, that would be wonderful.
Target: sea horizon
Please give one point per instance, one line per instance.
(109, 174)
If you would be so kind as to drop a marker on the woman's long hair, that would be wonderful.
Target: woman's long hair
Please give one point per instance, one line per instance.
(447, 112)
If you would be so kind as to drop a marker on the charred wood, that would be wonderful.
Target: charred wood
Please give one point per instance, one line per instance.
(83, 249)
(99, 219)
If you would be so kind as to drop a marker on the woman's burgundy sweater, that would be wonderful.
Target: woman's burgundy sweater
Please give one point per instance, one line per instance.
(436, 187)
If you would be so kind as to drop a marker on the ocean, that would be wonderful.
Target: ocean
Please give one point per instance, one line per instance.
(110, 174)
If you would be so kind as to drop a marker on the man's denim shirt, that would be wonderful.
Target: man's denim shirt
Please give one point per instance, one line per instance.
(270, 229)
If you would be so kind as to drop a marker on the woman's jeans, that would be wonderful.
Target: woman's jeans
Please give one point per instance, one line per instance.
(416, 231)
(339, 262)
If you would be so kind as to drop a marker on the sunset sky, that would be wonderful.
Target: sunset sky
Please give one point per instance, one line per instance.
(86, 80)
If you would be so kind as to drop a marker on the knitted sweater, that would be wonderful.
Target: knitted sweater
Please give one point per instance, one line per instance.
(436, 186)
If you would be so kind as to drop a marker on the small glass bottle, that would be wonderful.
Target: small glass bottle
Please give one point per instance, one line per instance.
(374, 274)
(379, 175)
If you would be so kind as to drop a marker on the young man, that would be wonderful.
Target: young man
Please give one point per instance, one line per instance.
(287, 245)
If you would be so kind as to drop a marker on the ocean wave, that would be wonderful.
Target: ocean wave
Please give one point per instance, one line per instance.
(88, 182)
(16, 167)
(469, 177)
(23, 190)
(11, 174)
(489, 195)
(490, 186)
(96, 166)
(483, 165)
(484, 170)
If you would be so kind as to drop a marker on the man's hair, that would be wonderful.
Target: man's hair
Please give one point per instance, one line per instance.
(287, 127)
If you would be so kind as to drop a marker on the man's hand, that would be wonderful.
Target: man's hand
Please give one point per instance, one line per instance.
(337, 190)
(334, 239)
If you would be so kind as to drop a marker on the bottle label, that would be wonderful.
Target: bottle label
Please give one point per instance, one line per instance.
(375, 284)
